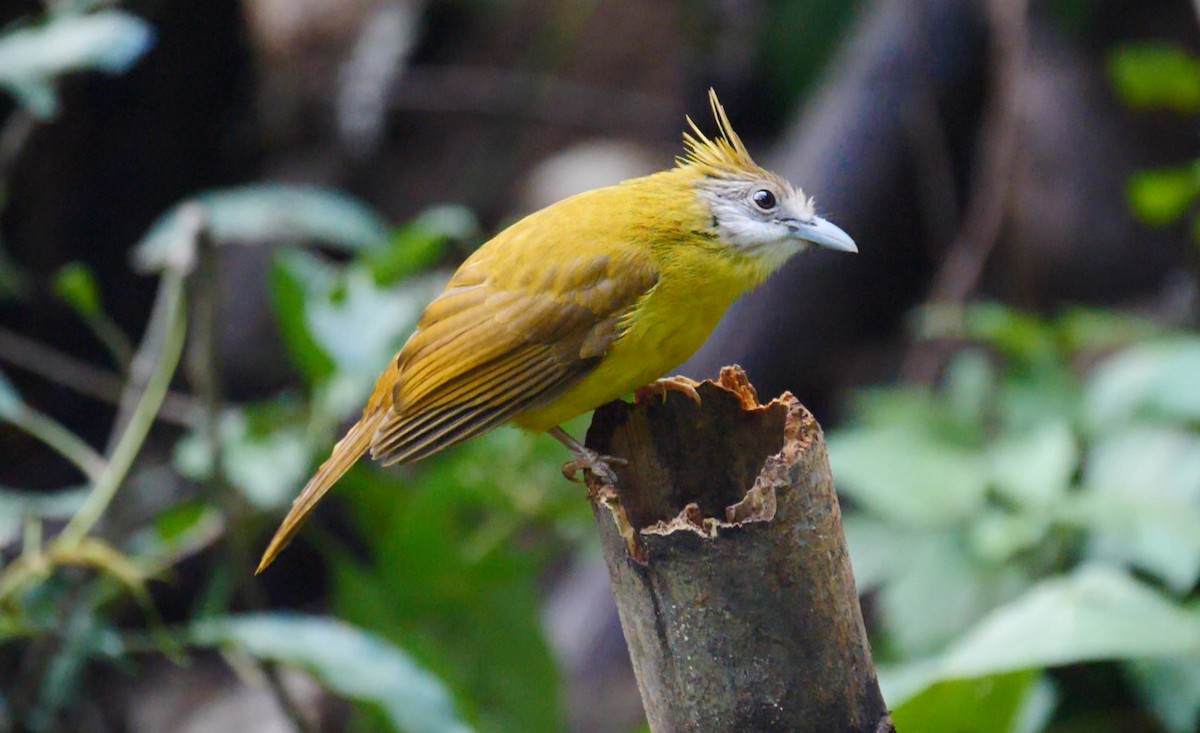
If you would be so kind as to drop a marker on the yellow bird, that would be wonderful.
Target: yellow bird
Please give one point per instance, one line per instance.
(579, 304)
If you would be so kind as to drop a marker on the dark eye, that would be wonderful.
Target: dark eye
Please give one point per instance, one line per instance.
(764, 199)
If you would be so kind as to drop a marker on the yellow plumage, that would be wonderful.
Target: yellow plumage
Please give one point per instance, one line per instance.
(572, 307)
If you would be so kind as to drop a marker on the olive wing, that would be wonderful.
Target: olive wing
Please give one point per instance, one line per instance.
(497, 343)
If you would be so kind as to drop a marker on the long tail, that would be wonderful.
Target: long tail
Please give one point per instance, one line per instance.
(347, 451)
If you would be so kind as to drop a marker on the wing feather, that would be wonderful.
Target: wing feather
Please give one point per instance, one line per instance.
(501, 340)
(461, 395)
(469, 420)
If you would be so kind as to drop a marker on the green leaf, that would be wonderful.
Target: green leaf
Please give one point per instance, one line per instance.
(908, 477)
(1156, 75)
(35, 94)
(1021, 336)
(1031, 398)
(293, 275)
(440, 583)
(1162, 197)
(1156, 380)
(362, 326)
(983, 705)
(268, 469)
(347, 660)
(419, 244)
(270, 213)
(274, 212)
(340, 323)
(178, 533)
(17, 505)
(939, 588)
(920, 410)
(1170, 688)
(83, 637)
(1095, 329)
(1142, 502)
(31, 58)
(878, 550)
(998, 536)
(1034, 468)
(75, 284)
(970, 380)
(1095, 613)
(266, 463)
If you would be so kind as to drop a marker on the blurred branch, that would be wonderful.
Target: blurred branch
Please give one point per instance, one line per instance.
(204, 372)
(853, 145)
(203, 361)
(991, 185)
(203, 366)
(934, 165)
(288, 706)
(535, 97)
(63, 441)
(106, 330)
(990, 189)
(380, 56)
(157, 357)
(13, 135)
(63, 369)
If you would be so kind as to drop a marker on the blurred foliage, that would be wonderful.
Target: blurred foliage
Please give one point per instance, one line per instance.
(346, 660)
(799, 37)
(61, 597)
(1159, 76)
(444, 605)
(435, 582)
(456, 552)
(1031, 514)
(1156, 76)
(457, 547)
(71, 38)
(75, 284)
(1072, 16)
(1031, 517)
(1004, 703)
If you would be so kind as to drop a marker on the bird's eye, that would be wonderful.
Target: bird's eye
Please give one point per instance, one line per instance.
(764, 199)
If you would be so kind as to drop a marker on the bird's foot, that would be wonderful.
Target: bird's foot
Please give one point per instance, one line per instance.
(586, 459)
(660, 387)
(590, 460)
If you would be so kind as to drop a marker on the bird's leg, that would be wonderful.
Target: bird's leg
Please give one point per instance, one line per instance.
(660, 387)
(586, 459)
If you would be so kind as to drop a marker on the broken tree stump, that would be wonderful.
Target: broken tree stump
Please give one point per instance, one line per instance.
(729, 566)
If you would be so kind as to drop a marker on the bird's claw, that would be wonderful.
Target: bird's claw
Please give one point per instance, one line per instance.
(660, 387)
(597, 464)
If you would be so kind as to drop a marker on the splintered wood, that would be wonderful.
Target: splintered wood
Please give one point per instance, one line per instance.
(724, 542)
(755, 503)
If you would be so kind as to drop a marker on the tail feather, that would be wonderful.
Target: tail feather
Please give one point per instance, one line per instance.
(345, 454)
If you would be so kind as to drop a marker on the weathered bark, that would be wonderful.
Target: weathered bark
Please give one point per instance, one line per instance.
(729, 565)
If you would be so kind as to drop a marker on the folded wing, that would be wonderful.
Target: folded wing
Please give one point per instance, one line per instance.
(498, 342)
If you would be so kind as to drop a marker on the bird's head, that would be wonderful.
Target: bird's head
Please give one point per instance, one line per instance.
(754, 210)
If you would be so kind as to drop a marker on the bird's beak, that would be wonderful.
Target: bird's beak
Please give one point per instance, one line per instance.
(822, 233)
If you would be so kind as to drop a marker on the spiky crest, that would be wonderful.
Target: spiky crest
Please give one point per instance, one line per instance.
(720, 156)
